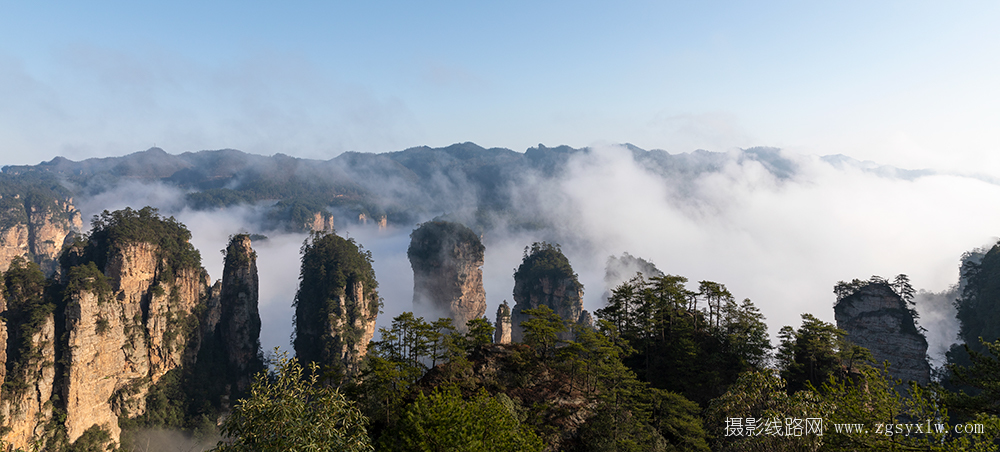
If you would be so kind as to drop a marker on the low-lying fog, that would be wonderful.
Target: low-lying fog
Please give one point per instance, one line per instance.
(782, 242)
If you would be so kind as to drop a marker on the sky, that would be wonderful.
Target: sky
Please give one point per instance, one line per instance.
(910, 84)
(905, 83)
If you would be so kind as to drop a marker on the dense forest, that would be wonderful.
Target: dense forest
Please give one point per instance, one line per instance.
(664, 368)
(667, 364)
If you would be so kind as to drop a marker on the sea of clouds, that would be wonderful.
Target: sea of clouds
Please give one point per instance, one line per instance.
(782, 239)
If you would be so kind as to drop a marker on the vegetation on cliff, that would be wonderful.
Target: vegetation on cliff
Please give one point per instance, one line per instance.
(112, 230)
(28, 308)
(545, 260)
(431, 243)
(979, 302)
(327, 315)
(679, 347)
(36, 191)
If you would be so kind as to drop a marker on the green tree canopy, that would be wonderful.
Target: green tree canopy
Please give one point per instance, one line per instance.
(810, 354)
(444, 421)
(331, 267)
(287, 411)
(111, 230)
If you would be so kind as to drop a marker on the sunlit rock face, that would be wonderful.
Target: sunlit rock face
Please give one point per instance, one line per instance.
(320, 221)
(26, 407)
(3, 339)
(123, 316)
(123, 339)
(447, 260)
(545, 278)
(36, 230)
(875, 317)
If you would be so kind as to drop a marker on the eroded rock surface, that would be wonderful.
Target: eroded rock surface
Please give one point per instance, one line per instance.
(502, 333)
(545, 278)
(36, 229)
(447, 260)
(127, 316)
(124, 338)
(875, 317)
(336, 304)
(25, 407)
(321, 222)
(239, 322)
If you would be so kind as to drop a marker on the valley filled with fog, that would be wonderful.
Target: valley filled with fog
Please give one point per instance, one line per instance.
(777, 227)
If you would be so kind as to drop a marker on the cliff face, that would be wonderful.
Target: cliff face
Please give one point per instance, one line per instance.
(30, 353)
(125, 335)
(545, 278)
(447, 261)
(100, 363)
(321, 221)
(876, 318)
(105, 336)
(239, 318)
(502, 333)
(38, 229)
(3, 339)
(563, 295)
(336, 304)
(25, 407)
(360, 321)
(380, 221)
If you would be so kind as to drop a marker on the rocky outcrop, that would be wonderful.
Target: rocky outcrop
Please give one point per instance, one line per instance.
(447, 260)
(125, 334)
(585, 320)
(623, 268)
(213, 310)
(876, 317)
(25, 405)
(31, 355)
(13, 242)
(545, 278)
(101, 365)
(380, 221)
(321, 221)
(502, 333)
(3, 339)
(336, 304)
(135, 306)
(239, 318)
(31, 227)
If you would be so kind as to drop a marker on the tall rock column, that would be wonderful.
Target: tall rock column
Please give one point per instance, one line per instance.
(239, 323)
(31, 346)
(336, 304)
(876, 317)
(447, 260)
(502, 333)
(130, 324)
(545, 277)
(3, 339)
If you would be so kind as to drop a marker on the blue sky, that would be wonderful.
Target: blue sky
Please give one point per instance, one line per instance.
(911, 84)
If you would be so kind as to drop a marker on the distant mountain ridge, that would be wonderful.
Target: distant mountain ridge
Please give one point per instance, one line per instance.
(403, 187)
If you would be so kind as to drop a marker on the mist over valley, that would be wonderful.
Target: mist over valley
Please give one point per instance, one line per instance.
(774, 226)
